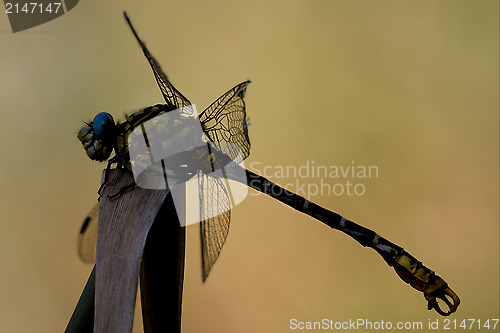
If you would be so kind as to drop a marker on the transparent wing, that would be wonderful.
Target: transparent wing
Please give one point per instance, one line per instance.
(225, 121)
(171, 95)
(214, 197)
(87, 239)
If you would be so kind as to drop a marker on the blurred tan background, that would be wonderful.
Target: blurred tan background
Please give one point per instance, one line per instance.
(408, 86)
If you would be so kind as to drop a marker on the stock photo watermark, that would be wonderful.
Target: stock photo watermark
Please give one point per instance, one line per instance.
(311, 179)
(203, 175)
(26, 14)
(354, 324)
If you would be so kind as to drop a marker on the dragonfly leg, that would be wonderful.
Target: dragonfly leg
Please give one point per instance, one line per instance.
(105, 181)
(122, 190)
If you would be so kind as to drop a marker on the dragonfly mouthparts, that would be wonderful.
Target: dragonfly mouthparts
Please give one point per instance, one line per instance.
(97, 137)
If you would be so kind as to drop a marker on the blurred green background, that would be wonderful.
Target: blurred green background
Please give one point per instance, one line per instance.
(408, 86)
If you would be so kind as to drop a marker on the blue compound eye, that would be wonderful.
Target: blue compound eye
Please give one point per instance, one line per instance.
(103, 126)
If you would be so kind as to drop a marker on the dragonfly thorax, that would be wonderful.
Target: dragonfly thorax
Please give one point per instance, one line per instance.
(99, 137)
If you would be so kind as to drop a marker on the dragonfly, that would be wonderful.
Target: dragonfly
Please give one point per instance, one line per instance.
(225, 120)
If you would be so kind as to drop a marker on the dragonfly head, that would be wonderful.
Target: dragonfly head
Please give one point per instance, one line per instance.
(99, 137)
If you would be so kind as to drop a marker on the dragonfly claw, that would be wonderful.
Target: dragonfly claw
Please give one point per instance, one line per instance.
(425, 280)
(101, 188)
(444, 293)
